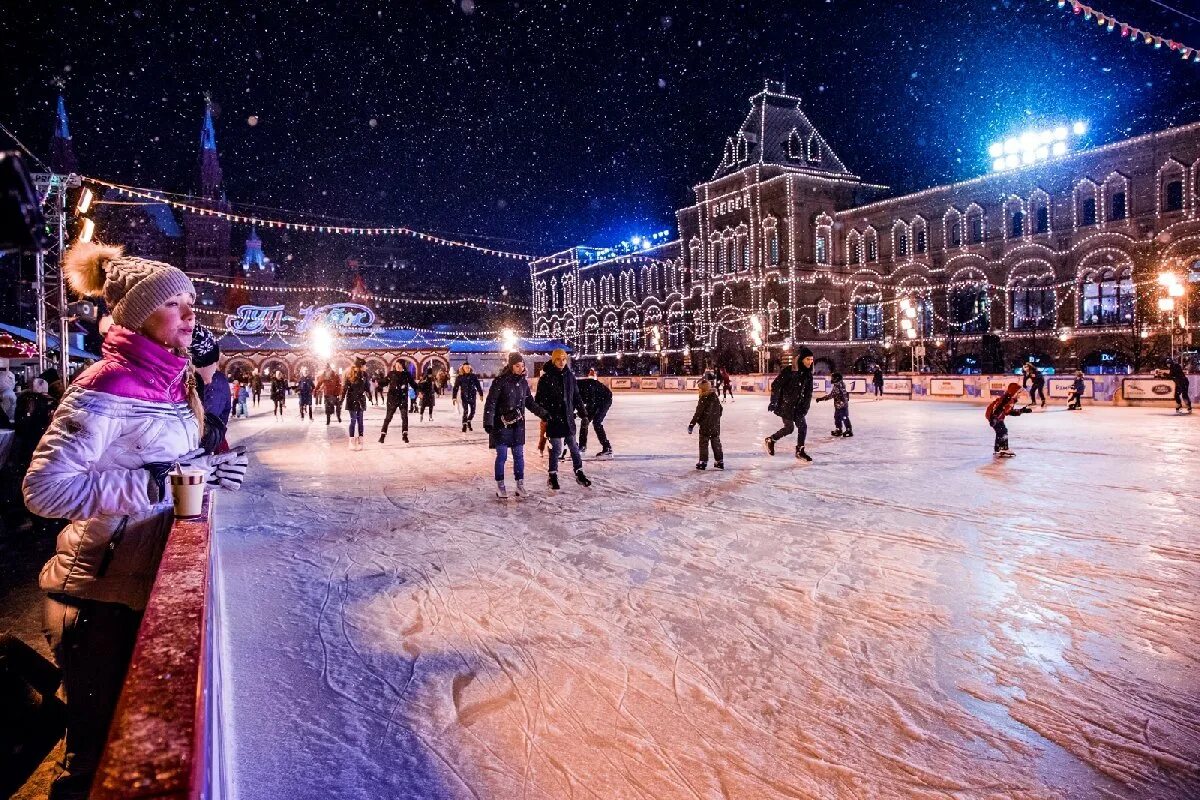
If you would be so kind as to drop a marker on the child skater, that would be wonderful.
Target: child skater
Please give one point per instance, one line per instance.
(1075, 398)
(1000, 408)
(841, 405)
(708, 417)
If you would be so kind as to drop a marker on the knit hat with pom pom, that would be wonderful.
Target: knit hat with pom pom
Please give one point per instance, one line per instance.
(132, 287)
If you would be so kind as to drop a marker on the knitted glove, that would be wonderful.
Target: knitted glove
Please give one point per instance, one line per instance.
(229, 469)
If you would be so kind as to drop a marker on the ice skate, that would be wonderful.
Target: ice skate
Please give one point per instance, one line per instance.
(803, 456)
(770, 443)
(352, 447)
(719, 465)
(521, 489)
(501, 492)
(404, 437)
(382, 436)
(464, 430)
(605, 454)
(701, 465)
(582, 479)
(1005, 454)
(552, 481)
(835, 433)
(847, 434)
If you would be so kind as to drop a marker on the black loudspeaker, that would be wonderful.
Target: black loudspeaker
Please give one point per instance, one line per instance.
(991, 357)
(22, 226)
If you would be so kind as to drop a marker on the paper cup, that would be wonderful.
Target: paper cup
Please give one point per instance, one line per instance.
(187, 490)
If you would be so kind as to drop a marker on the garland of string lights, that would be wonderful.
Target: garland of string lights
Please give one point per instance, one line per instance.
(445, 334)
(381, 298)
(265, 222)
(1111, 24)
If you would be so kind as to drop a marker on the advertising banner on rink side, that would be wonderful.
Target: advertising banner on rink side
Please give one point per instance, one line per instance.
(856, 385)
(1060, 388)
(672, 383)
(897, 386)
(948, 387)
(998, 386)
(621, 383)
(1147, 389)
(649, 383)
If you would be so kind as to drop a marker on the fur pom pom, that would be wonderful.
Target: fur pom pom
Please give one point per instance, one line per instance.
(85, 266)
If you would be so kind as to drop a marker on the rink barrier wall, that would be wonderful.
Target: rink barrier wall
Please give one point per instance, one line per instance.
(1118, 390)
(160, 745)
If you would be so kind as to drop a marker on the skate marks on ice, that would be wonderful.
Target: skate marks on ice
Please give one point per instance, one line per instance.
(770, 632)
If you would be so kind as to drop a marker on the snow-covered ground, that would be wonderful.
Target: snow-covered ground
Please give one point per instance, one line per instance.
(904, 618)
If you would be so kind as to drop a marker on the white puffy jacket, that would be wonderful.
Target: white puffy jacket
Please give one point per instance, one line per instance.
(88, 468)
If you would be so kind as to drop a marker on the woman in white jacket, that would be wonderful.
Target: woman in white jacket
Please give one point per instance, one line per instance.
(102, 465)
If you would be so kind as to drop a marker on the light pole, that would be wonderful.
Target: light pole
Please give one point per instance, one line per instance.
(756, 338)
(908, 325)
(656, 339)
(1176, 326)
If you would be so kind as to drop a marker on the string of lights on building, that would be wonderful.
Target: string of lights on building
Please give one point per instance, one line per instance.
(360, 294)
(1134, 34)
(267, 222)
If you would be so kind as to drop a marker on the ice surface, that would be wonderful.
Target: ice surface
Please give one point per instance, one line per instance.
(905, 617)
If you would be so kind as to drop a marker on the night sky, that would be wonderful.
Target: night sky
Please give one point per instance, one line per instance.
(534, 125)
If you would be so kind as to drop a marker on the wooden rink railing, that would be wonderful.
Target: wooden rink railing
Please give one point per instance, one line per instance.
(161, 741)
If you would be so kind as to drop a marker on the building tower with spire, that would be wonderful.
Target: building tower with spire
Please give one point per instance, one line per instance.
(208, 236)
(62, 155)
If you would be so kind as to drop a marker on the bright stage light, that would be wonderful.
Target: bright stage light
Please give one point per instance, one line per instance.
(1079, 128)
(996, 150)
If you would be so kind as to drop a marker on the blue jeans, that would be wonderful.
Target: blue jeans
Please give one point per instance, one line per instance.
(356, 417)
(518, 451)
(556, 446)
(841, 416)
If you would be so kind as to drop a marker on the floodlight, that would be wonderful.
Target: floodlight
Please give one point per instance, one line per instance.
(1079, 128)
(1058, 148)
(996, 149)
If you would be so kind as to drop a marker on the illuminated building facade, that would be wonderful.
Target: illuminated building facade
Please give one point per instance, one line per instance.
(1056, 261)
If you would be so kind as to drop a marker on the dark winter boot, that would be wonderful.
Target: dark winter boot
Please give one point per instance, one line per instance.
(606, 453)
(404, 437)
(803, 456)
(582, 479)
(701, 465)
(770, 443)
(553, 481)
(464, 430)
(849, 432)
(719, 465)
(382, 436)
(835, 433)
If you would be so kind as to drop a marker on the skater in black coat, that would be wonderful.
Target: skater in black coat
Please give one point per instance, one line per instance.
(398, 383)
(1035, 381)
(708, 417)
(468, 387)
(355, 393)
(427, 393)
(841, 405)
(597, 400)
(504, 420)
(279, 391)
(304, 390)
(557, 393)
(1179, 377)
(791, 396)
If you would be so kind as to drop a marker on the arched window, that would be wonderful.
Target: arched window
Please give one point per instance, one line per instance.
(630, 332)
(823, 309)
(952, 226)
(814, 147)
(822, 239)
(969, 308)
(773, 317)
(1032, 303)
(900, 239)
(1107, 297)
(1016, 224)
(1116, 197)
(920, 240)
(866, 310)
(716, 257)
(1086, 200)
(1171, 187)
(743, 148)
(743, 246)
(609, 333)
(795, 146)
(591, 335)
(975, 232)
(771, 232)
(871, 242)
(854, 253)
(1039, 205)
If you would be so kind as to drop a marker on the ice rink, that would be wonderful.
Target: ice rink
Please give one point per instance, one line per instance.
(906, 617)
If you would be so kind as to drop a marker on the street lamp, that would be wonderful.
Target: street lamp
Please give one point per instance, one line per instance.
(656, 339)
(756, 338)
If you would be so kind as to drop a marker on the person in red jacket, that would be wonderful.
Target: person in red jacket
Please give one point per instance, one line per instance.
(1000, 409)
(329, 385)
